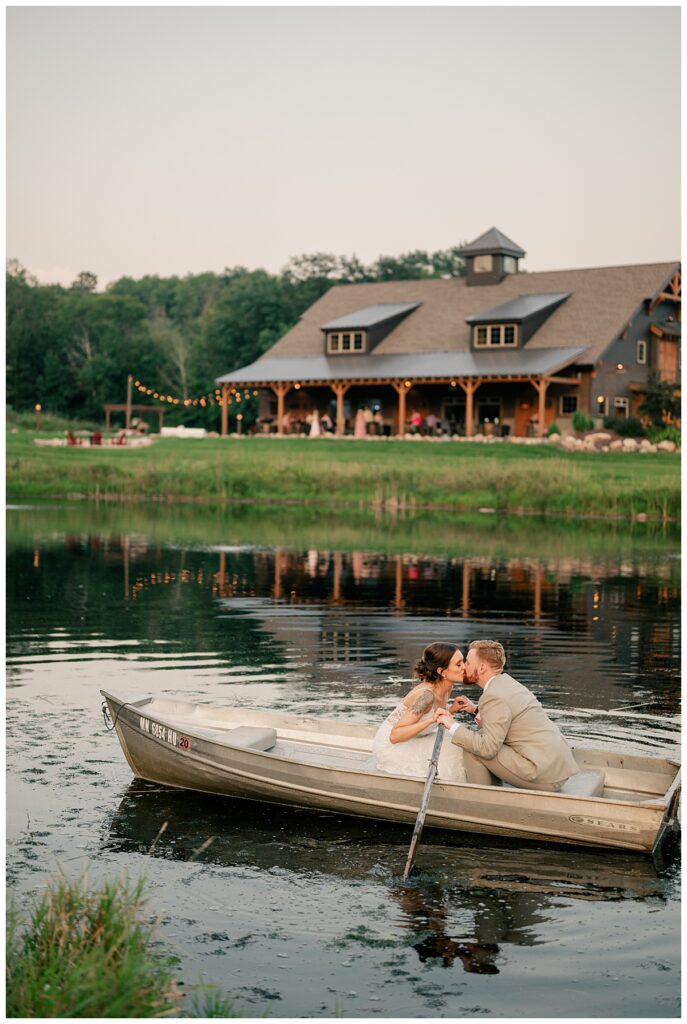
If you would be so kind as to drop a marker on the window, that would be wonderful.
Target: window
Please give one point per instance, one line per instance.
(622, 407)
(568, 405)
(483, 264)
(346, 342)
(510, 264)
(495, 335)
(641, 352)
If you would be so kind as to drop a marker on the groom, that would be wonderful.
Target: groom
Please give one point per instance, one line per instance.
(516, 740)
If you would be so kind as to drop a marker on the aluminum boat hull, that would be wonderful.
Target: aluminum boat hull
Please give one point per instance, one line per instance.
(327, 765)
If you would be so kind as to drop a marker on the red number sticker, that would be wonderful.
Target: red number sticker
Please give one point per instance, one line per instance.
(184, 743)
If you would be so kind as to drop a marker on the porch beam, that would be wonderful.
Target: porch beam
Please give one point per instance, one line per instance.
(402, 388)
(340, 388)
(225, 410)
(541, 386)
(280, 391)
(469, 386)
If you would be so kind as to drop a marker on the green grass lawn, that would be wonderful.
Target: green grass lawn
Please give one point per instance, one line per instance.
(396, 474)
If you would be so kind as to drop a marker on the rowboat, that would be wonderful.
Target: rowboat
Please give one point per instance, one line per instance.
(621, 801)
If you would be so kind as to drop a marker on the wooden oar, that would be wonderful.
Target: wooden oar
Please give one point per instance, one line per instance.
(433, 767)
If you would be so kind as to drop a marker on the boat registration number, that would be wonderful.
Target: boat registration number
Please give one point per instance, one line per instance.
(611, 826)
(164, 733)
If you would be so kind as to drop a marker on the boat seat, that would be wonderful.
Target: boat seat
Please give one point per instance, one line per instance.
(587, 783)
(252, 737)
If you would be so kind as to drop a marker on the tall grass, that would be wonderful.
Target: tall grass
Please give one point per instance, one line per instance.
(393, 476)
(90, 953)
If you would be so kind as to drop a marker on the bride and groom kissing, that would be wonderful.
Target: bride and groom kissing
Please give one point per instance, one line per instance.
(515, 741)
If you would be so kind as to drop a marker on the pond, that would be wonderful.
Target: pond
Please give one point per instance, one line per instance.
(295, 913)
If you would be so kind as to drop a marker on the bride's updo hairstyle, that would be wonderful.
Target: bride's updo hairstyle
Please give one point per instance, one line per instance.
(433, 658)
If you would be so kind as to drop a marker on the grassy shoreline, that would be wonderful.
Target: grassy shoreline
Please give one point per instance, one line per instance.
(403, 475)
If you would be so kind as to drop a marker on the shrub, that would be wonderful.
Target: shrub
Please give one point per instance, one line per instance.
(87, 954)
(625, 427)
(553, 429)
(656, 434)
(661, 400)
(581, 422)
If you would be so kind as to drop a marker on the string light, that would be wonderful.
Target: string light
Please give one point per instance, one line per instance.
(209, 398)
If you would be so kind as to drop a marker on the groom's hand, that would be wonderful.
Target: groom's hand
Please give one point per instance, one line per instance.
(462, 703)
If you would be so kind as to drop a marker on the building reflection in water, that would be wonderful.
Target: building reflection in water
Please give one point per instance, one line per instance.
(620, 615)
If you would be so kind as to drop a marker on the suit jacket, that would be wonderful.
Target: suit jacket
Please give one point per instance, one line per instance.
(515, 728)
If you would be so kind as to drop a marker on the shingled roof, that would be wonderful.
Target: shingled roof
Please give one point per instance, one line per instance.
(602, 299)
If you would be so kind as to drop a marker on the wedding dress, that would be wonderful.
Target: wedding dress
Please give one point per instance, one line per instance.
(412, 757)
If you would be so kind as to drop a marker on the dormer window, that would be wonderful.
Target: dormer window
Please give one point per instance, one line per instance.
(346, 341)
(495, 335)
(511, 324)
(358, 333)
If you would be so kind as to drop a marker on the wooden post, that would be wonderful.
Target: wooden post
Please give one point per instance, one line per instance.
(225, 410)
(541, 386)
(340, 390)
(401, 390)
(129, 382)
(280, 391)
(107, 420)
(469, 386)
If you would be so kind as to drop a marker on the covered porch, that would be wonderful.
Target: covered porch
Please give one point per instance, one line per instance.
(490, 395)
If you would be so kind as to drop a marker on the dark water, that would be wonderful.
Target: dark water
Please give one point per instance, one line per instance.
(302, 914)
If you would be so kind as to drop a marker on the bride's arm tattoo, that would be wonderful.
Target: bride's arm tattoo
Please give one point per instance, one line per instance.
(422, 703)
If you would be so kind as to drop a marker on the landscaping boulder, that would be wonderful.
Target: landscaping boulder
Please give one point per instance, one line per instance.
(645, 445)
(616, 446)
(554, 438)
(600, 437)
(630, 444)
(666, 446)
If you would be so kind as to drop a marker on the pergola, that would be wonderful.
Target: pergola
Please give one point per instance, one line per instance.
(123, 407)
(465, 370)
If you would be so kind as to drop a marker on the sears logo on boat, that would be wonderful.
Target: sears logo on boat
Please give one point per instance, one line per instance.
(611, 826)
(162, 732)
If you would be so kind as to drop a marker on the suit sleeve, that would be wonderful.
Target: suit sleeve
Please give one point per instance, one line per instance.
(495, 716)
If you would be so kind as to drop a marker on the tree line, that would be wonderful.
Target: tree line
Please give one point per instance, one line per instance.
(71, 348)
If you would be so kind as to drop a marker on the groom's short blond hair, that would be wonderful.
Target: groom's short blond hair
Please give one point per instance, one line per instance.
(490, 651)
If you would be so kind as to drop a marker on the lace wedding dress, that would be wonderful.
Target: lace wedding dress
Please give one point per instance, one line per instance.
(412, 757)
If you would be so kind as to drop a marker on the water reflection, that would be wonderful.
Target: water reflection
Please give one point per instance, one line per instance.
(497, 893)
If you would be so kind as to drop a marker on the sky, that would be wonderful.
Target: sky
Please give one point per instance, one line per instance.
(177, 140)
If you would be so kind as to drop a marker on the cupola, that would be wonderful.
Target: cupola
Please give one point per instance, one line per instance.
(491, 257)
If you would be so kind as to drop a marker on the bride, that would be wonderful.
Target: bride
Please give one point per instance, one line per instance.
(403, 743)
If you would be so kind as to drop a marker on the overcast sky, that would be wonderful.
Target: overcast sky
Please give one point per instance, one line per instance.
(165, 140)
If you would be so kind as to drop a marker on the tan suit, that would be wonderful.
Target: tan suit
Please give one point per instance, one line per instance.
(516, 740)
